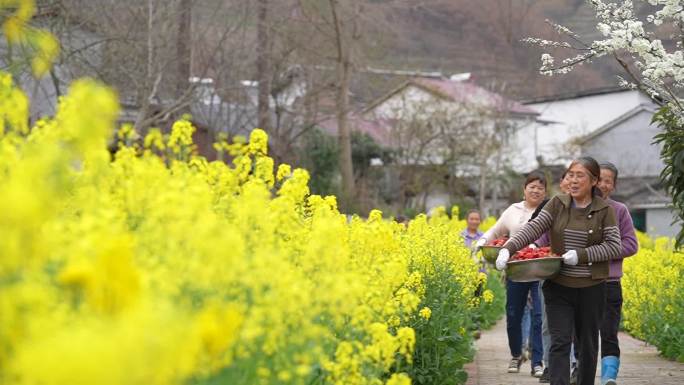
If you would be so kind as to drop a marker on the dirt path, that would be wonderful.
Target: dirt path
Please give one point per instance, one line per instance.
(641, 364)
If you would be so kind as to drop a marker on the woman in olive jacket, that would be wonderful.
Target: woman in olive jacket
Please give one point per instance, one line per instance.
(584, 231)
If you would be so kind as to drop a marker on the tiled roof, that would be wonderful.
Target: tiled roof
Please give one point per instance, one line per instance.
(469, 92)
(460, 92)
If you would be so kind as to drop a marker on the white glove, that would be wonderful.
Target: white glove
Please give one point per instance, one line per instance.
(501, 260)
(570, 258)
(480, 242)
(532, 246)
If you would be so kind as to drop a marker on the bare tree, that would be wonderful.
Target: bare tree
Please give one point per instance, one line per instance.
(446, 146)
(146, 50)
(338, 35)
(432, 144)
(183, 46)
(345, 35)
(264, 74)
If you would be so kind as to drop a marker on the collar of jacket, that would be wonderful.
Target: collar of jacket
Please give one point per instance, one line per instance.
(597, 203)
(520, 206)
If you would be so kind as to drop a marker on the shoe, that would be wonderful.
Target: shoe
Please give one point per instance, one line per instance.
(610, 366)
(545, 377)
(537, 371)
(514, 366)
(573, 376)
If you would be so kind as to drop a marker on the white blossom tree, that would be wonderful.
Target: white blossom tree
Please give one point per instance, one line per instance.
(648, 43)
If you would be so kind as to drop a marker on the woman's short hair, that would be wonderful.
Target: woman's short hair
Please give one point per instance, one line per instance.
(610, 167)
(473, 211)
(534, 176)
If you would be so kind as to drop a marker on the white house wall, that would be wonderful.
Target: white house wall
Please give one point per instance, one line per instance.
(407, 103)
(629, 146)
(522, 149)
(414, 101)
(573, 118)
(659, 222)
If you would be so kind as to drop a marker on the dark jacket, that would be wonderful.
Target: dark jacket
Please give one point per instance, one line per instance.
(597, 230)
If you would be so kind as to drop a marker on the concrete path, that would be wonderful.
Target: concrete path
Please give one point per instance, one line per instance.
(641, 364)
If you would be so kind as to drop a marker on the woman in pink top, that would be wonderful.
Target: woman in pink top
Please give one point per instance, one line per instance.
(512, 220)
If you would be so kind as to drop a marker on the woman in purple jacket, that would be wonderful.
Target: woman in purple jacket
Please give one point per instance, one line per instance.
(610, 348)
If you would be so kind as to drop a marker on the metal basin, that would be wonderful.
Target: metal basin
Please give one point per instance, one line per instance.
(533, 269)
(490, 253)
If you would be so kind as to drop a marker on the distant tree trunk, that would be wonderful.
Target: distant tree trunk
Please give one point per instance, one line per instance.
(183, 47)
(344, 135)
(483, 186)
(423, 200)
(495, 184)
(143, 97)
(502, 131)
(343, 77)
(263, 67)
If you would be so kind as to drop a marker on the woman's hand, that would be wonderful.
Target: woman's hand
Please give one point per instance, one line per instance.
(570, 258)
(502, 259)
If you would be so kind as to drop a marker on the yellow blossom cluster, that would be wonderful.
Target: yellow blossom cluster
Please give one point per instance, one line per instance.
(42, 45)
(653, 306)
(425, 313)
(156, 266)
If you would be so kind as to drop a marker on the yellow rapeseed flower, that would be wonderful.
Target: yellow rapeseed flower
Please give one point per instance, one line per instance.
(201, 265)
(425, 313)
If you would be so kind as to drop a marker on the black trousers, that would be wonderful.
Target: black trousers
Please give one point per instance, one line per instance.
(610, 345)
(578, 310)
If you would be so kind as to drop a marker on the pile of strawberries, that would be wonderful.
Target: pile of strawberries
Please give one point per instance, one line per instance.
(498, 242)
(530, 253)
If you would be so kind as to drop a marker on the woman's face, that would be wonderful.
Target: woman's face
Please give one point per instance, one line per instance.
(564, 185)
(534, 193)
(607, 182)
(580, 181)
(473, 221)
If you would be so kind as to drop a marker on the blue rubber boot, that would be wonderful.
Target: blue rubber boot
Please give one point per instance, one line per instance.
(609, 370)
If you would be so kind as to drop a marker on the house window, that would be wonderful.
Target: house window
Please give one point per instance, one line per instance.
(639, 219)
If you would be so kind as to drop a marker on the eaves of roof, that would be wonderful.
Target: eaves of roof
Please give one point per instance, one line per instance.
(573, 95)
(519, 110)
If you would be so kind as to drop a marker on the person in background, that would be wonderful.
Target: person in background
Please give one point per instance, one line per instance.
(610, 347)
(546, 336)
(470, 235)
(510, 222)
(527, 329)
(583, 229)
(472, 232)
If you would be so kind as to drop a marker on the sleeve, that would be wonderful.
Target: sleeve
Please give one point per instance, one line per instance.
(627, 234)
(609, 248)
(499, 228)
(534, 229)
(543, 241)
